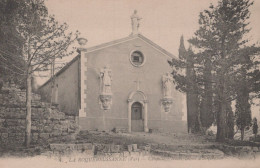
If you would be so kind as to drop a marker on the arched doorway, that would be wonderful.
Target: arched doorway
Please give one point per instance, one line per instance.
(137, 117)
(137, 112)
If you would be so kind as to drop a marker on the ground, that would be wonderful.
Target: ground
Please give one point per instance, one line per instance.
(144, 138)
(170, 145)
(180, 142)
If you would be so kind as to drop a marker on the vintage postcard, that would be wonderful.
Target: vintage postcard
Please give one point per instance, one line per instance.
(129, 83)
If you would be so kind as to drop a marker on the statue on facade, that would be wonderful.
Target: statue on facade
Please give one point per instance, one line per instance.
(105, 88)
(106, 79)
(135, 22)
(167, 99)
(167, 85)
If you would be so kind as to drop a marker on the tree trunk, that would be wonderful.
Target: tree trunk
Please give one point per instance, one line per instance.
(229, 121)
(206, 105)
(197, 122)
(28, 109)
(188, 112)
(221, 118)
(221, 126)
(242, 133)
(194, 125)
(221, 112)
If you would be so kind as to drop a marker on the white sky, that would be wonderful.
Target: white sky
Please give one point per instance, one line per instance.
(164, 21)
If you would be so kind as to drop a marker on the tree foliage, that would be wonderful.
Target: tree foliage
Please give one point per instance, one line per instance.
(43, 41)
(243, 111)
(186, 81)
(221, 54)
(12, 65)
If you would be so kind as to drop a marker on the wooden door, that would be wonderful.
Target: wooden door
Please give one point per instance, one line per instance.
(137, 117)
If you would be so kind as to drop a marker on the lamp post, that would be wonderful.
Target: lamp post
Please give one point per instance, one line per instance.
(83, 78)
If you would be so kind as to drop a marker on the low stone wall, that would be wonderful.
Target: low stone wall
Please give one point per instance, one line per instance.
(100, 149)
(240, 151)
(192, 151)
(48, 123)
(85, 150)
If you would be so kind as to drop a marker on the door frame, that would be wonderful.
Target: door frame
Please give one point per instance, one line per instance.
(133, 97)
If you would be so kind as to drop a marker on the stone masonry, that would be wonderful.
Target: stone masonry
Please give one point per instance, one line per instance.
(48, 123)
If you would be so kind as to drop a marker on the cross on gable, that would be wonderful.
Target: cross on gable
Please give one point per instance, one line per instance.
(137, 84)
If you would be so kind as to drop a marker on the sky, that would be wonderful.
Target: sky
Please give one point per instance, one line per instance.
(164, 21)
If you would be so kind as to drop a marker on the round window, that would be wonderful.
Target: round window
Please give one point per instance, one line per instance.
(137, 58)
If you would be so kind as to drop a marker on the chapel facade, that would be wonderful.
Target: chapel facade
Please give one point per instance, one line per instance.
(124, 83)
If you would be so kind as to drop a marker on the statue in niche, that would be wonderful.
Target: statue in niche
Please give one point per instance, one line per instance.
(135, 22)
(167, 85)
(106, 79)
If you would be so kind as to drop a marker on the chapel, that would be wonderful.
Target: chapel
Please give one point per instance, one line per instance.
(125, 84)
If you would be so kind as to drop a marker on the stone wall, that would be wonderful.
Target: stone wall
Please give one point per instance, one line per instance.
(48, 123)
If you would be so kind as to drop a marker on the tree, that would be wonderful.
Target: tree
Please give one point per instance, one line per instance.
(192, 93)
(255, 127)
(230, 121)
(214, 70)
(221, 38)
(12, 65)
(206, 104)
(44, 40)
(243, 111)
(187, 82)
(245, 80)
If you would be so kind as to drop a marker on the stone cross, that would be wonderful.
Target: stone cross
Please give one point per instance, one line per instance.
(137, 84)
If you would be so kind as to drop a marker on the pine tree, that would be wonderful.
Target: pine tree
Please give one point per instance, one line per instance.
(44, 40)
(206, 105)
(230, 121)
(243, 111)
(193, 99)
(220, 37)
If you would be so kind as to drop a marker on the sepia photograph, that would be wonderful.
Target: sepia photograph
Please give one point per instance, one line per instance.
(129, 83)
